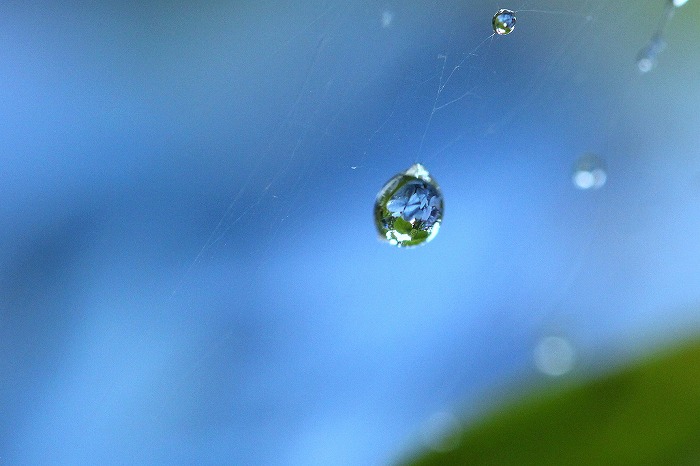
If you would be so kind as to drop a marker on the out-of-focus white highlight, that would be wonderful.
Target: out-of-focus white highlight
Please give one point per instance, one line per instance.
(584, 180)
(590, 179)
(678, 3)
(554, 356)
(589, 172)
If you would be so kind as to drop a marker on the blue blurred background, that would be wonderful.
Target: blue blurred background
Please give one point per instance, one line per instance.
(189, 270)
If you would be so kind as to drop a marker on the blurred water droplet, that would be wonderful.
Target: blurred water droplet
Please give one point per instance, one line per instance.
(387, 18)
(554, 356)
(408, 210)
(503, 22)
(648, 56)
(589, 172)
(439, 432)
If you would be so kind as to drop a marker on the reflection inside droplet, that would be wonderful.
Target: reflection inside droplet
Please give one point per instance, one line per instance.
(554, 356)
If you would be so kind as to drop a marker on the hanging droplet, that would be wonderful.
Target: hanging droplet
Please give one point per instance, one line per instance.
(678, 3)
(648, 56)
(409, 208)
(503, 22)
(589, 172)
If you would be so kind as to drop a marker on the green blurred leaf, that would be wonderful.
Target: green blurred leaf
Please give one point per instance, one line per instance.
(402, 226)
(646, 414)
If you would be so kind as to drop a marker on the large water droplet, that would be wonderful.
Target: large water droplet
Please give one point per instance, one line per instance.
(409, 208)
(503, 22)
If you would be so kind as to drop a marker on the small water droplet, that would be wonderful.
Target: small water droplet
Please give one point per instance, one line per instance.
(589, 172)
(408, 210)
(503, 22)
